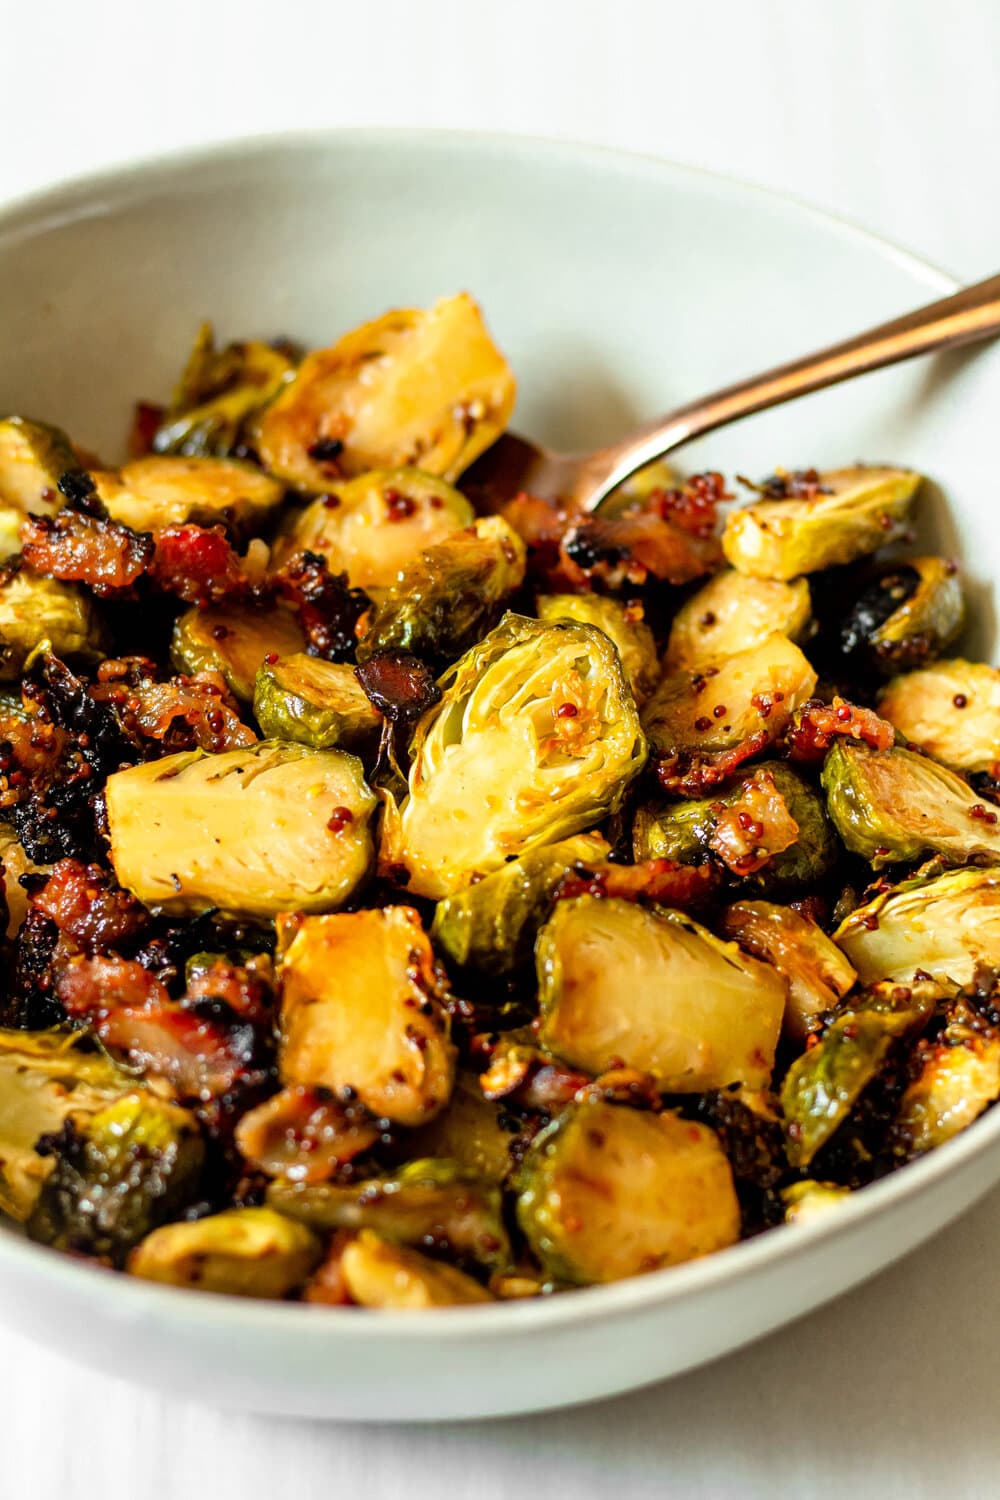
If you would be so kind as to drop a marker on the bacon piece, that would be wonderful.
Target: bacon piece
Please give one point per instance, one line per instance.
(651, 880)
(87, 987)
(528, 1077)
(77, 547)
(690, 774)
(399, 685)
(329, 610)
(146, 421)
(305, 1134)
(178, 714)
(750, 831)
(816, 724)
(89, 908)
(633, 547)
(197, 564)
(695, 506)
(245, 991)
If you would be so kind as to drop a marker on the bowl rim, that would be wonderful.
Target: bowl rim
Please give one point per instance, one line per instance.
(109, 188)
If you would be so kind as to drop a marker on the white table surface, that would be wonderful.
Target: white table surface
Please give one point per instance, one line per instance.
(887, 111)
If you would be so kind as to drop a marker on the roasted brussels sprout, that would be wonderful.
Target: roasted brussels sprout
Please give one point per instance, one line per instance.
(361, 1009)
(822, 1086)
(151, 493)
(35, 609)
(219, 393)
(11, 521)
(445, 599)
(652, 989)
(856, 511)
(373, 526)
(15, 863)
(606, 1191)
(536, 737)
(748, 696)
(686, 832)
(959, 1077)
(380, 1274)
(894, 805)
(234, 639)
(944, 926)
(817, 972)
(733, 612)
(910, 614)
(467, 1131)
(492, 925)
(247, 1252)
(130, 1167)
(428, 388)
(621, 623)
(255, 831)
(33, 459)
(426, 1203)
(951, 711)
(316, 703)
(808, 1200)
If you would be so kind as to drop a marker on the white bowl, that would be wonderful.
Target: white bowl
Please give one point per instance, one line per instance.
(618, 286)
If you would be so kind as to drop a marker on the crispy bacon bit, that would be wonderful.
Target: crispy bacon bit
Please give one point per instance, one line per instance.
(197, 564)
(694, 507)
(527, 1077)
(633, 547)
(753, 829)
(329, 610)
(689, 774)
(652, 880)
(816, 724)
(78, 547)
(399, 685)
(328, 1286)
(87, 987)
(179, 714)
(305, 1134)
(244, 989)
(146, 421)
(89, 907)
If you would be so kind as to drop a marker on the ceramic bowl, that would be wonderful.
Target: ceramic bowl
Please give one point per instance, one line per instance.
(618, 286)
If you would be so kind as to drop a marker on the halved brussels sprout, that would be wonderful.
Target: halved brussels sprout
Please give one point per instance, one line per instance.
(361, 1009)
(606, 1191)
(11, 521)
(373, 526)
(15, 863)
(652, 989)
(893, 805)
(33, 459)
(316, 703)
(425, 1203)
(951, 711)
(257, 831)
(246, 1252)
(151, 493)
(944, 927)
(822, 1086)
(816, 970)
(684, 831)
(959, 1079)
(428, 388)
(127, 1169)
(219, 392)
(734, 613)
(443, 600)
(467, 1131)
(621, 623)
(809, 1200)
(911, 613)
(751, 694)
(536, 737)
(859, 510)
(234, 639)
(35, 609)
(492, 925)
(379, 1274)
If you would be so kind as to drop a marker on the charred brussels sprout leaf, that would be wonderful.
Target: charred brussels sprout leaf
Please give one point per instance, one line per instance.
(536, 737)
(894, 805)
(234, 639)
(618, 983)
(35, 609)
(817, 973)
(425, 388)
(944, 927)
(316, 703)
(622, 623)
(443, 601)
(219, 393)
(732, 613)
(951, 711)
(380, 1274)
(859, 510)
(129, 1168)
(246, 1252)
(152, 493)
(906, 617)
(252, 831)
(606, 1192)
(33, 459)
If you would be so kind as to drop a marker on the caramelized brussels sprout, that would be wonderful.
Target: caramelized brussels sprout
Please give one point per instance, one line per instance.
(893, 805)
(911, 613)
(33, 459)
(35, 609)
(15, 863)
(316, 703)
(654, 990)
(219, 393)
(445, 599)
(246, 1252)
(373, 526)
(817, 972)
(428, 388)
(809, 1200)
(425, 1203)
(733, 612)
(944, 926)
(380, 1274)
(622, 623)
(11, 521)
(751, 694)
(361, 1009)
(127, 1169)
(606, 1192)
(857, 511)
(151, 493)
(234, 639)
(959, 1078)
(492, 925)
(252, 831)
(468, 1132)
(536, 737)
(951, 711)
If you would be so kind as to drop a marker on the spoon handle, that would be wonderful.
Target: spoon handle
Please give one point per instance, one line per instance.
(963, 318)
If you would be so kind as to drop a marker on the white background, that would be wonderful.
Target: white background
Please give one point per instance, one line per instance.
(887, 111)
